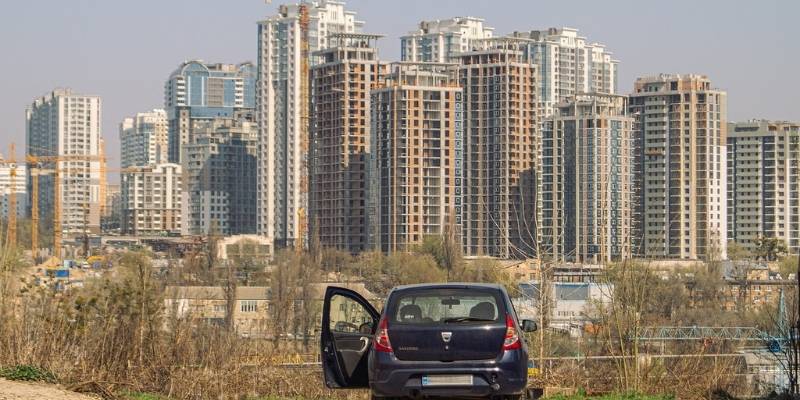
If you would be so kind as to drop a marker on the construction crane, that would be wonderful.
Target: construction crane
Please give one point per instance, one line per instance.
(304, 124)
(36, 170)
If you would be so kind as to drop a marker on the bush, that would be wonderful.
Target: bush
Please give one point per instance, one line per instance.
(28, 373)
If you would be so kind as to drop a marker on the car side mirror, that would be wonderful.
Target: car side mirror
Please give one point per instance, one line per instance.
(529, 325)
(365, 328)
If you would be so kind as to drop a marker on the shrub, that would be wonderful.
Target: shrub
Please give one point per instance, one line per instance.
(27, 373)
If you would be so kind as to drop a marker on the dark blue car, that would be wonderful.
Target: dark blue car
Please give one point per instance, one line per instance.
(435, 340)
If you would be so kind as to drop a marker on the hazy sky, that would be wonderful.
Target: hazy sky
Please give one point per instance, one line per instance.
(124, 50)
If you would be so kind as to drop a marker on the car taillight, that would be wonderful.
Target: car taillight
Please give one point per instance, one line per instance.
(512, 341)
(382, 343)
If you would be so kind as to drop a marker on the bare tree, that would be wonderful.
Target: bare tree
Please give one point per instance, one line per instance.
(627, 285)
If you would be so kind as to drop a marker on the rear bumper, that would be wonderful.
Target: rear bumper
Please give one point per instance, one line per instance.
(506, 375)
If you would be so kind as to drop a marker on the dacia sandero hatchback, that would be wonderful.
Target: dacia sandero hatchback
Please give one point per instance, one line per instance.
(434, 340)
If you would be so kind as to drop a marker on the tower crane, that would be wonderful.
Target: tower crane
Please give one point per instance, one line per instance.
(304, 125)
(34, 164)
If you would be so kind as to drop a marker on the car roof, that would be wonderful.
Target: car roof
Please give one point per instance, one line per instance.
(449, 285)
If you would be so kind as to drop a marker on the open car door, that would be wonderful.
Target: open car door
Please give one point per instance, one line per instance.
(348, 327)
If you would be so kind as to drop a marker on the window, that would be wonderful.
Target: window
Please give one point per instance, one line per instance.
(441, 306)
(249, 306)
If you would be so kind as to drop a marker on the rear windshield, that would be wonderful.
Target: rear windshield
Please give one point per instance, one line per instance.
(441, 306)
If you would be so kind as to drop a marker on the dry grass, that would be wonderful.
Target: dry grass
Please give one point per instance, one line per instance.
(114, 336)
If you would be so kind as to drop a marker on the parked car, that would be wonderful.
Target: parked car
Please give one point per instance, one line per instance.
(430, 340)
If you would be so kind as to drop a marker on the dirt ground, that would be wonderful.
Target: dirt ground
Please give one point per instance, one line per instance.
(10, 390)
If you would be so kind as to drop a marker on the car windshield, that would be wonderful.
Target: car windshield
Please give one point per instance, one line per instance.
(444, 306)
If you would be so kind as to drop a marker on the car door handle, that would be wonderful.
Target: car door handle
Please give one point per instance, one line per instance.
(365, 341)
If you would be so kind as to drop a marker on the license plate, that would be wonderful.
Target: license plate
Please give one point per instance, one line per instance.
(447, 380)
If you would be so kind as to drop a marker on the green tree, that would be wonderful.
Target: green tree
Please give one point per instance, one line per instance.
(787, 265)
(409, 268)
(737, 252)
(770, 248)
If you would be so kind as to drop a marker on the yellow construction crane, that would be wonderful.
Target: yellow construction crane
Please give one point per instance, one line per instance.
(36, 170)
(304, 122)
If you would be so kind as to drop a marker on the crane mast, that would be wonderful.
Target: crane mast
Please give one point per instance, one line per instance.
(304, 122)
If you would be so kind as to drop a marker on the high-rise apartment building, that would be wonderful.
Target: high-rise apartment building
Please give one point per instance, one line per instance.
(151, 200)
(197, 92)
(282, 159)
(341, 81)
(502, 146)
(568, 65)
(219, 177)
(12, 187)
(417, 153)
(144, 139)
(764, 182)
(442, 41)
(587, 180)
(681, 154)
(66, 124)
(111, 217)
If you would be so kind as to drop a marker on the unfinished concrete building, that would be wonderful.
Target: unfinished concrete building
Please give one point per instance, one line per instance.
(219, 167)
(341, 81)
(587, 180)
(282, 97)
(501, 149)
(681, 130)
(764, 182)
(417, 139)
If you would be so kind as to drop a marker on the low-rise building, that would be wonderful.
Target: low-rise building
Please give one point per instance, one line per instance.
(251, 307)
(570, 306)
(245, 247)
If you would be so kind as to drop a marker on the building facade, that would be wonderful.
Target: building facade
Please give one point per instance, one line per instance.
(111, 218)
(144, 139)
(569, 65)
(283, 155)
(502, 146)
(197, 92)
(417, 152)
(764, 182)
(12, 187)
(151, 200)
(67, 125)
(219, 171)
(587, 180)
(341, 82)
(442, 41)
(681, 134)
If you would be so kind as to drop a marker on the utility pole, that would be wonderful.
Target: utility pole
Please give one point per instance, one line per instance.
(794, 339)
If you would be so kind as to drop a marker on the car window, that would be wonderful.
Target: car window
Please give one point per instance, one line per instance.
(348, 316)
(446, 306)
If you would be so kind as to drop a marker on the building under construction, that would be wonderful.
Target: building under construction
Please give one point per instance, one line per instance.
(341, 82)
(587, 180)
(219, 178)
(417, 139)
(501, 149)
(286, 42)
